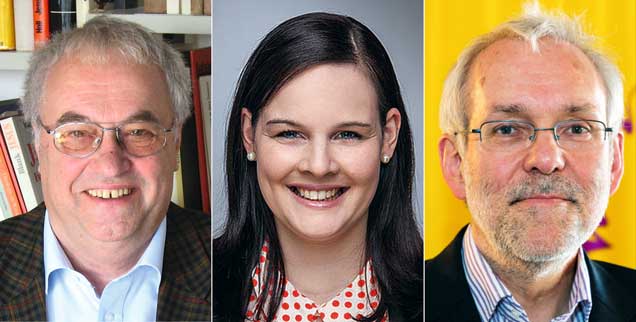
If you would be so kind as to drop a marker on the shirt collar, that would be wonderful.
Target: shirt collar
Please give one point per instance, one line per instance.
(55, 258)
(488, 290)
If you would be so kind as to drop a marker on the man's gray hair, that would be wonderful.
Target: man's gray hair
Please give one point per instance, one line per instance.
(94, 43)
(532, 26)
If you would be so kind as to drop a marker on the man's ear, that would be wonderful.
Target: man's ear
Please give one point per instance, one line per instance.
(451, 162)
(247, 131)
(617, 162)
(390, 131)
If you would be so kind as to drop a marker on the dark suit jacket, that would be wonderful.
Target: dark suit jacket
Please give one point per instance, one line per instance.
(448, 296)
(184, 292)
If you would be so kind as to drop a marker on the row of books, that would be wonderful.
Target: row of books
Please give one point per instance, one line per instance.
(191, 186)
(20, 182)
(20, 188)
(178, 7)
(26, 24)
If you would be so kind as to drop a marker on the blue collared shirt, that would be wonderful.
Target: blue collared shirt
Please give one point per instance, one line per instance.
(131, 297)
(494, 301)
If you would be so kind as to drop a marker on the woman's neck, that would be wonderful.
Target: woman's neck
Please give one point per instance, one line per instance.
(319, 270)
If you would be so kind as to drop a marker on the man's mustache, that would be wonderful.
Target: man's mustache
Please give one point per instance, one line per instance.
(553, 185)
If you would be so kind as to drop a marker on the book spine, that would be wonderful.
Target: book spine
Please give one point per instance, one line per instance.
(207, 7)
(196, 7)
(41, 31)
(177, 184)
(62, 15)
(200, 60)
(186, 7)
(82, 7)
(205, 88)
(5, 211)
(172, 7)
(23, 12)
(12, 183)
(7, 26)
(155, 6)
(18, 139)
(9, 181)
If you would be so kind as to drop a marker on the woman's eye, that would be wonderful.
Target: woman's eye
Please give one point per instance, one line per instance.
(288, 135)
(348, 135)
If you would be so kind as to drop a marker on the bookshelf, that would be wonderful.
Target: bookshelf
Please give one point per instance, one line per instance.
(14, 60)
(167, 24)
(198, 26)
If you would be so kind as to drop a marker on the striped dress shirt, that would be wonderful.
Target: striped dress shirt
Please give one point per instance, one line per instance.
(494, 301)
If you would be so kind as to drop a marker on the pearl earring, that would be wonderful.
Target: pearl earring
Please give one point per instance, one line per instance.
(251, 156)
(386, 159)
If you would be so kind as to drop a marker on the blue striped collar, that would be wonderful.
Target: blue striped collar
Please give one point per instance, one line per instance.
(495, 302)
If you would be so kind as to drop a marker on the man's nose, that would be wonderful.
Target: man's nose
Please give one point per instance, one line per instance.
(544, 154)
(111, 157)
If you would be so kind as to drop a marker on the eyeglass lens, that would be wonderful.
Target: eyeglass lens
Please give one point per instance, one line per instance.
(137, 138)
(570, 134)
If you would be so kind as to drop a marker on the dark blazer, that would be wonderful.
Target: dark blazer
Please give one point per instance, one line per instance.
(184, 291)
(448, 296)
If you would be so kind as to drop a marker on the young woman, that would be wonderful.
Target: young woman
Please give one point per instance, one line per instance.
(319, 168)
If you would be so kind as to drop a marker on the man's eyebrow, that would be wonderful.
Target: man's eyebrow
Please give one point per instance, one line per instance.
(510, 109)
(520, 109)
(70, 117)
(573, 109)
(143, 116)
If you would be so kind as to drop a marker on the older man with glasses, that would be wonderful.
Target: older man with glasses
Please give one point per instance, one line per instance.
(531, 116)
(106, 103)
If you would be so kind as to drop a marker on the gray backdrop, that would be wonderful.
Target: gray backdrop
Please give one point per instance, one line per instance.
(238, 26)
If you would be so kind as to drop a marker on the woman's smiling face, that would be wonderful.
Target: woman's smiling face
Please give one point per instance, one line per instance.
(318, 144)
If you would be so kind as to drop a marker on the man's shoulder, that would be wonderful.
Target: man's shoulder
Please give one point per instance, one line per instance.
(189, 227)
(613, 295)
(604, 274)
(21, 227)
(189, 219)
(447, 294)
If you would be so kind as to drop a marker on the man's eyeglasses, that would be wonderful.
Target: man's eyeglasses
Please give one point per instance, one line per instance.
(572, 135)
(81, 139)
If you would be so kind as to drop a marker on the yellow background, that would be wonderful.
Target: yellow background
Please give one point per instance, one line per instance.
(449, 26)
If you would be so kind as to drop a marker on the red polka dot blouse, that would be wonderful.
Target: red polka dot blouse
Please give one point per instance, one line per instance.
(359, 298)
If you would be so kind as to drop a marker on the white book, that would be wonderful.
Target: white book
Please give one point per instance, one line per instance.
(17, 136)
(82, 7)
(186, 7)
(172, 7)
(23, 18)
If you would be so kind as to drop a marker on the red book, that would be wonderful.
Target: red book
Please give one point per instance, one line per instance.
(201, 64)
(41, 32)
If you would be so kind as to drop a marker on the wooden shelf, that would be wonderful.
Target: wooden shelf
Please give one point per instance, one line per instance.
(14, 60)
(168, 24)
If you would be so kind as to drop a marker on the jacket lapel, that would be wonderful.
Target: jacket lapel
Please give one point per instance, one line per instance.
(447, 295)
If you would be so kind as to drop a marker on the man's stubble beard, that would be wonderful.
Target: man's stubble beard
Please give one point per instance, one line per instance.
(510, 229)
